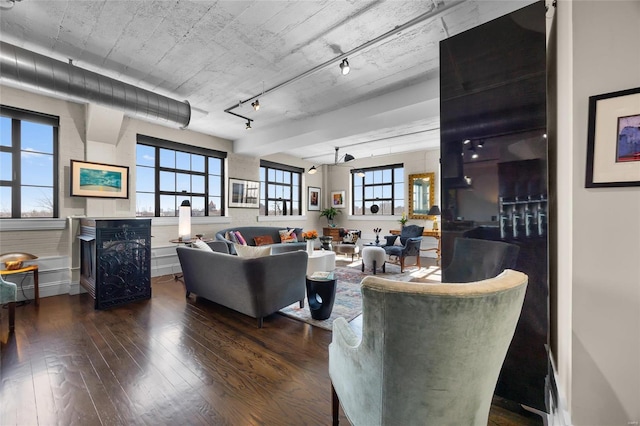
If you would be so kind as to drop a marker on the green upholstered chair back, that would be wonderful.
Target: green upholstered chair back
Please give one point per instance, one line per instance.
(428, 354)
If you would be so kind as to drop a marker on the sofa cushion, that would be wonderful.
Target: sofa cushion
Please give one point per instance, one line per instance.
(250, 251)
(298, 232)
(263, 240)
(288, 236)
(350, 237)
(199, 244)
(240, 238)
(391, 239)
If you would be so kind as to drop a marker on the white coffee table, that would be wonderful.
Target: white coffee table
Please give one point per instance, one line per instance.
(321, 260)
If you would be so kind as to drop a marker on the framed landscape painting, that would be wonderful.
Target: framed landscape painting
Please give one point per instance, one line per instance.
(613, 140)
(99, 180)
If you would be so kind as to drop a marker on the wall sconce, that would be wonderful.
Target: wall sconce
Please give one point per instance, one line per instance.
(312, 170)
(184, 221)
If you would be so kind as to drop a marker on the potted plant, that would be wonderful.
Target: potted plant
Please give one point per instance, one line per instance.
(330, 213)
(403, 220)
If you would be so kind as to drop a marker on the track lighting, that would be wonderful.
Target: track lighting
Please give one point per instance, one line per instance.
(480, 143)
(344, 67)
(248, 125)
(360, 172)
(256, 104)
(348, 157)
(312, 170)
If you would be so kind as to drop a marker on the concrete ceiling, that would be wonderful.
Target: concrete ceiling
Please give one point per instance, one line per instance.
(216, 54)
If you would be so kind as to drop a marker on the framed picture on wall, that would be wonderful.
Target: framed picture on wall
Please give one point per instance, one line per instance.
(613, 140)
(99, 180)
(313, 198)
(338, 199)
(244, 193)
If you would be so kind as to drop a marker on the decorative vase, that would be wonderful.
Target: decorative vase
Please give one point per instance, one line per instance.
(309, 247)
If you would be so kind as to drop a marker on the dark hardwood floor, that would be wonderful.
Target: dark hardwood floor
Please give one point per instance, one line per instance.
(169, 360)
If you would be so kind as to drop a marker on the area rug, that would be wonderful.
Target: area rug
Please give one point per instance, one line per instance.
(348, 300)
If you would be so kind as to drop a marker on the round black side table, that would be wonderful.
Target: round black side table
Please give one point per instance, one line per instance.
(321, 293)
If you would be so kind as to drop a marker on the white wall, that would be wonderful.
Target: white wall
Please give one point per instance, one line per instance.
(601, 368)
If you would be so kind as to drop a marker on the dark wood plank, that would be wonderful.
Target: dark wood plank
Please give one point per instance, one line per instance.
(168, 360)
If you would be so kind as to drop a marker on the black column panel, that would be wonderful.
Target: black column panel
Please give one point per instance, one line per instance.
(494, 169)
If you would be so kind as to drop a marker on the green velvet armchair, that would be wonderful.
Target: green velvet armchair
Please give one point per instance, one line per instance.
(428, 353)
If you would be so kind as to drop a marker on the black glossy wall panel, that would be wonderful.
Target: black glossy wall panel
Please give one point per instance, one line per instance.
(493, 126)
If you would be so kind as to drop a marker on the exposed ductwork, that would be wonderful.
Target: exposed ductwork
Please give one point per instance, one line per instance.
(45, 74)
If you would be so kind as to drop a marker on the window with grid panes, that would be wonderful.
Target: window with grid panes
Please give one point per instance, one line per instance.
(383, 185)
(28, 164)
(167, 173)
(280, 189)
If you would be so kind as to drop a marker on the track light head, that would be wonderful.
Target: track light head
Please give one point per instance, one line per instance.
(312, 170)
(348, 157)
(344, 67)
(256, 104)
(248, 125)
(360, 173)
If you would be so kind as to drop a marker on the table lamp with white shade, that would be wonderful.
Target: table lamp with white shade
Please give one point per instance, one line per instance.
(184, 221)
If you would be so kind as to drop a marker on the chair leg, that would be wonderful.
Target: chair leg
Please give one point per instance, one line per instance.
(301, 303)
(260, 322)
(335, 406)
(401, 264)
(374, 267)
(12, 316)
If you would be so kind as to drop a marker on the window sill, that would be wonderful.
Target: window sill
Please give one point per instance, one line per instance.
(32, 224)
(374, 217)
(287, 218)
(197, 220)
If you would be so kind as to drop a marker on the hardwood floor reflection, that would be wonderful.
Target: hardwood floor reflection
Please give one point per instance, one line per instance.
(169, 360)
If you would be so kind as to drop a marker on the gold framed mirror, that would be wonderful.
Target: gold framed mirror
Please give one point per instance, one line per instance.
(421, 195)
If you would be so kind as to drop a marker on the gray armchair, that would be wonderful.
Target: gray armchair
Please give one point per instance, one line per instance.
(475, 259)
(410, 238)
(429, 353)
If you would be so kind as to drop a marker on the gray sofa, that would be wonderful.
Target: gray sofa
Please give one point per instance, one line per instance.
(250, 232)
(253, 286)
